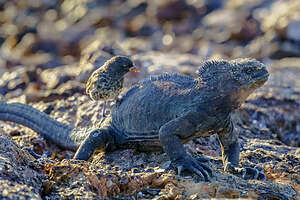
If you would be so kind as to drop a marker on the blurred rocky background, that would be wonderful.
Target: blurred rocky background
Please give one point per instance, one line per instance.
(49, 48)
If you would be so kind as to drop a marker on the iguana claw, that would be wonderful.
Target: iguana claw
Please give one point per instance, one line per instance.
(254, 173)
(193, 165)
(246, 173)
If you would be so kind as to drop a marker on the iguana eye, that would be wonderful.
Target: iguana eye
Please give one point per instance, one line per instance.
(240, 76)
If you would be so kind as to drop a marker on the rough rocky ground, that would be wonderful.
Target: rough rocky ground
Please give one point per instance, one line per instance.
(50, 48)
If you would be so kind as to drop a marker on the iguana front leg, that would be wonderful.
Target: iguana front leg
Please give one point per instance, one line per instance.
(230, 154)
(170, 136)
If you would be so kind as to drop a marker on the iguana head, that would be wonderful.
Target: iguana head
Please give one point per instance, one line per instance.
(236, 79)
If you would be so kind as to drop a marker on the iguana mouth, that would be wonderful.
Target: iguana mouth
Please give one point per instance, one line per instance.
(259, 79)
(261, 76)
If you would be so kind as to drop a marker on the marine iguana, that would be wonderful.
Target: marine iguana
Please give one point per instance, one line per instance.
(163, 112)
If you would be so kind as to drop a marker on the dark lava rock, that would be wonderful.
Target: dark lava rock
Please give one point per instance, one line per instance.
(18, 180)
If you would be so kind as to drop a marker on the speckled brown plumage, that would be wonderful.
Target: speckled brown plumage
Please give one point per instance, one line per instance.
(107, 81)
(103, 86)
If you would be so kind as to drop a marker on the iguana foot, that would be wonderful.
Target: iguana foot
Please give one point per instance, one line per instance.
(247, 173)
(254, 173)
(193, 165)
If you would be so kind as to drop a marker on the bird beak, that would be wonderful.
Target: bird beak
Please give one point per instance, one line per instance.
(134, 69)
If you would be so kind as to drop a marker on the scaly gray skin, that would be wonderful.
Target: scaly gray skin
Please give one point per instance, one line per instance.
(165, 112)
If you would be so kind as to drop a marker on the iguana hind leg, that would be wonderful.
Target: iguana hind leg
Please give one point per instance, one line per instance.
(96, 139)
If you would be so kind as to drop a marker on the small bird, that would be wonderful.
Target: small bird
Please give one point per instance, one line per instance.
(107, 81)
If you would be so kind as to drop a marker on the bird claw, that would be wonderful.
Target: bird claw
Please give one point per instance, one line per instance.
(193, 165)
(247, 173)
(118, 102)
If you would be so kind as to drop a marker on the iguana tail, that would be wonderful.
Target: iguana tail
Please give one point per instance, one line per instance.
(58, 133)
